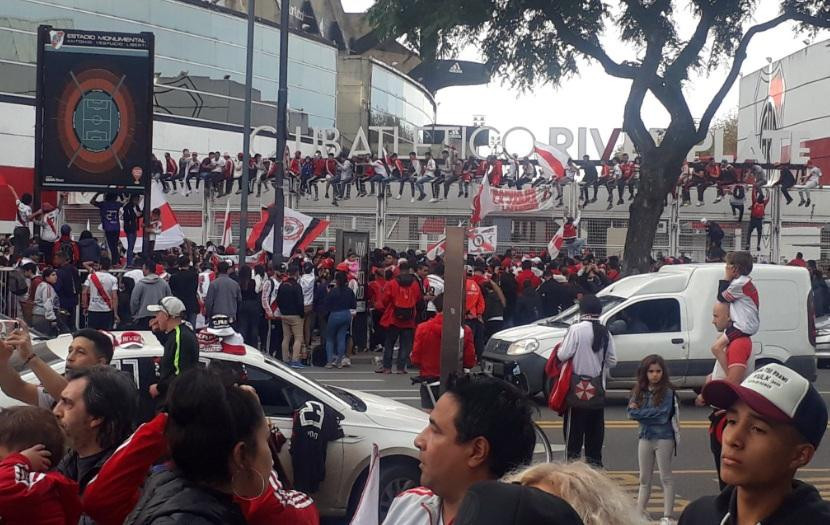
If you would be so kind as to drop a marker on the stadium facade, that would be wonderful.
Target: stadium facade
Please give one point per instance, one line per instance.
(341, 75)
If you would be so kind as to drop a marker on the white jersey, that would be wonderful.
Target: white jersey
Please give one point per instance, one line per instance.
(50, 229)
(418, 506)
(23, 216)
(108, 283)
(434, 286)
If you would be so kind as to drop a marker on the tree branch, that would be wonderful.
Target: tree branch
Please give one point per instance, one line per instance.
(632, 116)
(679, 68)
(740, 56)
(591, 49)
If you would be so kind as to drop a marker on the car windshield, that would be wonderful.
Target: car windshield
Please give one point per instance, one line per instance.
(571, 315)
(42, 351)
(350, 399)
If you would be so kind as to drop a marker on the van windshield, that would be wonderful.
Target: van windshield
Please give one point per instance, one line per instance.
(571, 315)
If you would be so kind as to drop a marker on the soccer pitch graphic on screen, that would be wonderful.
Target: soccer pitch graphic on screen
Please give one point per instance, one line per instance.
(94, 109)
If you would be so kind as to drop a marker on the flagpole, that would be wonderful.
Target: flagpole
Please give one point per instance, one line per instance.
(246, 137)
(282, 131)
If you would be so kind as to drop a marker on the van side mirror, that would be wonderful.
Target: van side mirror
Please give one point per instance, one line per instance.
(617, 327)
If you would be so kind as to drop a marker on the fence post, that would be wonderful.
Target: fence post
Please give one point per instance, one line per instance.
(775, 226)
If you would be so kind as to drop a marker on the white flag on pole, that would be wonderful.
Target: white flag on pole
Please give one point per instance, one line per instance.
(367, 507)
(227, 233)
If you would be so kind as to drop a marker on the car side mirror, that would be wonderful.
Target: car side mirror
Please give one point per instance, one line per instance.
(617, 327)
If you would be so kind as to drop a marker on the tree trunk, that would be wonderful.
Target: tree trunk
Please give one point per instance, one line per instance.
(658, 175)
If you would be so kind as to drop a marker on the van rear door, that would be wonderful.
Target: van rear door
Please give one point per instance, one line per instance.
(650, 325)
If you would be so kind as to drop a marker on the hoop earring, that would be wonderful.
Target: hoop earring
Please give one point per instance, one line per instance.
(261, 491)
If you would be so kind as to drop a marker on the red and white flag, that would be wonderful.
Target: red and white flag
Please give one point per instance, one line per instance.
(298, 232)
(555, 244)
(483, 203)
(490, 199)
(552, 160)
(482, 240)
(227, 233)
(367, 507)
(437, 249)
(171, 234)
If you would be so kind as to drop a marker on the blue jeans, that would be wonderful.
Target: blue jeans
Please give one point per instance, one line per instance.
(131, 238)
(338, 325)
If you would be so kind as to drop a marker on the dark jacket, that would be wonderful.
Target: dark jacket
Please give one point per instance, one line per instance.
(183, 284)
(803, 506)
(68, 286)
(290, 297)
(89, 250)
(178, 356)
(339, 299)
(168, 498)
(555, 297)
(528, 308)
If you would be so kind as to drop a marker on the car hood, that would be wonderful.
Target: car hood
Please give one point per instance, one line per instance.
(547, 336)
(391, 414)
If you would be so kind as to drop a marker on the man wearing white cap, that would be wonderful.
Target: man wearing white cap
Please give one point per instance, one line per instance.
(181, 351)
(774, 423)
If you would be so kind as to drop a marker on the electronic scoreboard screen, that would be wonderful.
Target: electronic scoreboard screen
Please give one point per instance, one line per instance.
(94, 124)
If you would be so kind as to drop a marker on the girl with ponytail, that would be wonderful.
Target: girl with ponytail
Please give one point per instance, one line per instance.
(591, 349)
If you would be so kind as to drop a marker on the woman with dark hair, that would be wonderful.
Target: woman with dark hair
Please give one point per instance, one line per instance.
(90, 250)
(340, 303)
(591, 349)
(250, 311)
(217, 436)
(653, 404)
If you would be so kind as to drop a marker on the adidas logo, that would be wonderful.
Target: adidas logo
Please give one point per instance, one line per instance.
(456, 68)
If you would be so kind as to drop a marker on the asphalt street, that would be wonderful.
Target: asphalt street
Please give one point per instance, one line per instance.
(693, 466)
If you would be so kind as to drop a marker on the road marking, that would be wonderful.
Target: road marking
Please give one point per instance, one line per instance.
(630, 483)
(410, 389)
(625, 424)
(353, 380)
(405, 398)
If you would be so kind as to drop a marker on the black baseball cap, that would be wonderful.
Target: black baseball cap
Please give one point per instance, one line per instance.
(497, 503)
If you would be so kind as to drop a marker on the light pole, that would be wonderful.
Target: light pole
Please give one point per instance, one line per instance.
(246, 137)
(282, 132)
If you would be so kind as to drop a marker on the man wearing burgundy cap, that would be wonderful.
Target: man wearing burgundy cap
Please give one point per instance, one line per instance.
(775, 420)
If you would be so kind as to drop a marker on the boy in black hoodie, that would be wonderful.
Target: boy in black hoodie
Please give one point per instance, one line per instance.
(774, 422)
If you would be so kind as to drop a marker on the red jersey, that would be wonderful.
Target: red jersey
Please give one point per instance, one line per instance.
(319, 166)
(527, 275)
(627, 169)
(426, 352)
(294, 166)
(331, 166)
(43, 498)
(473, 300)
(569, 231)
(757, 210)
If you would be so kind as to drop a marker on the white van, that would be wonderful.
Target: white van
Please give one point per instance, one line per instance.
(669, 313)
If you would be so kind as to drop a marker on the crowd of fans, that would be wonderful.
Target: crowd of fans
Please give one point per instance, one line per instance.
(362, 175)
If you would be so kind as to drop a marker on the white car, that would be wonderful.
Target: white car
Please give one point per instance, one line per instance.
(366, 418)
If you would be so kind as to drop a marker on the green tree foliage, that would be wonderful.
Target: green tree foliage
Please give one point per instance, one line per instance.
(533, 42)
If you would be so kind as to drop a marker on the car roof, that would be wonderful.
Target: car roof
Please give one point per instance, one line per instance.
(674, 278)
(153, 348)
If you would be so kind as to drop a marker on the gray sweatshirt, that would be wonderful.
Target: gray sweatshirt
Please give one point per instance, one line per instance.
(223, 297)
(149, 290)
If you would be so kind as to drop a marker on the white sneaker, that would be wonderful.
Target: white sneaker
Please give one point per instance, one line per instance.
(412, 199)
(345, 362)
(397, 197)
(432, 200)
(666, 521)
(699, 203)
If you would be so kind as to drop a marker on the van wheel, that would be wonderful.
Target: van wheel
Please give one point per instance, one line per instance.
(396, 476)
